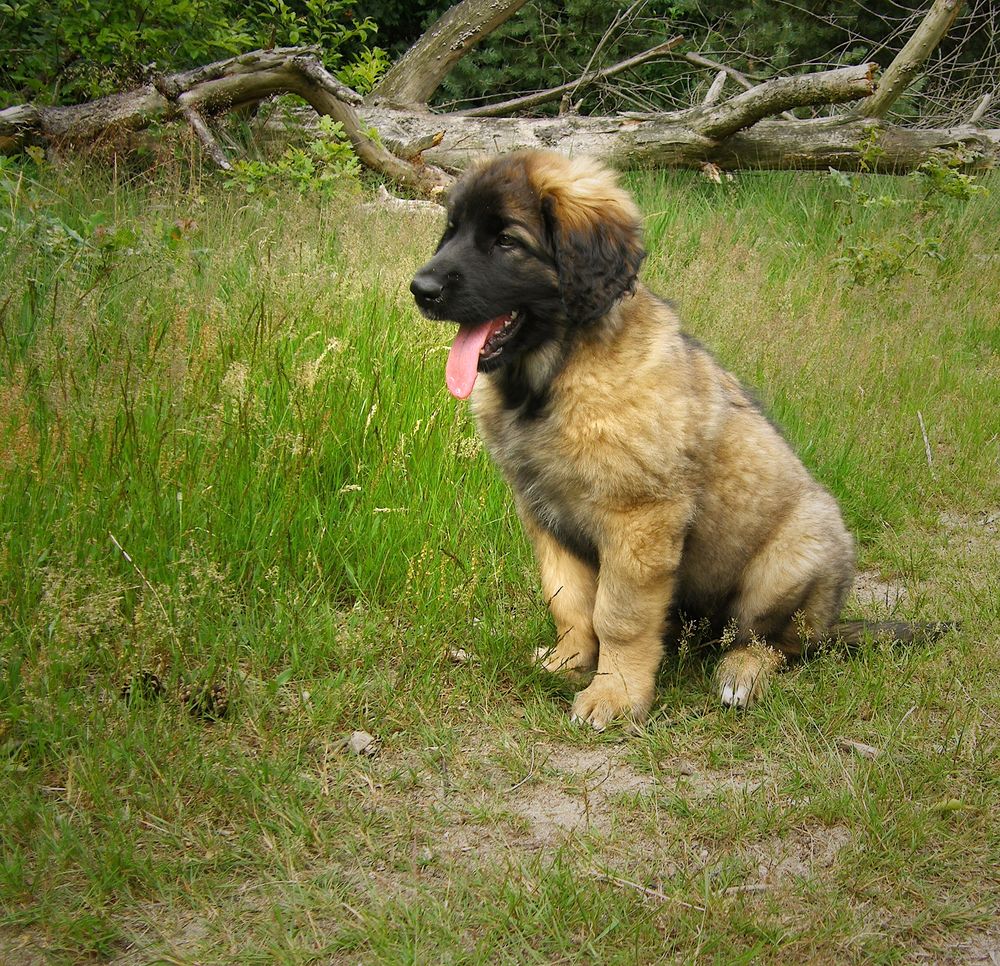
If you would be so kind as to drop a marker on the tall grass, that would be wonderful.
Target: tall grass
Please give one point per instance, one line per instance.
(845, 369)
(227, 455)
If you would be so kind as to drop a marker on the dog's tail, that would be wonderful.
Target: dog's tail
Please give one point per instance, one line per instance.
(851, 635)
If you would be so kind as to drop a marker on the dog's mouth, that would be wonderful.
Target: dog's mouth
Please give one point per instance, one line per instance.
(477, 348)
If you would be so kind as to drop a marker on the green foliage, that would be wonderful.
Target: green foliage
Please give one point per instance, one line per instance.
(331, 24)
(62, 51)
(870, 254)
(321, 165)
(364, 71)
(401, 22)
(67, 50)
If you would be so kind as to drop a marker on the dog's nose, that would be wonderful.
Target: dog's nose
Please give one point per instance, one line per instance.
(426, 287)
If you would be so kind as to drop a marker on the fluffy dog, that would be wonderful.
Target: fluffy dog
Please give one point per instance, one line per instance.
(648, 480)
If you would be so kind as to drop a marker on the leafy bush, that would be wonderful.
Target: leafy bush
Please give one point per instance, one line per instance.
(322, 165)
(872, 256)
(63, 51)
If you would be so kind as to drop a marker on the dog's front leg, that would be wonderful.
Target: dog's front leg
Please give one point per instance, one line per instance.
(639, 560)
(570, 586)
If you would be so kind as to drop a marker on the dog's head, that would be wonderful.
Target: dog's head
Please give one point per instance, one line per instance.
(536, 244)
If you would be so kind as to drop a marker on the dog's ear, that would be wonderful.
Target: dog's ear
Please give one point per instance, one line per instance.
(594, 230)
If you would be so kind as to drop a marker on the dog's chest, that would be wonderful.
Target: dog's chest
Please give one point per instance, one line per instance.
(554, 478)
(597, 445)
(532, 454)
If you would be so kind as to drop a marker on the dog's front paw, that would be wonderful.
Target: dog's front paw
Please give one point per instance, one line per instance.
(609, 697)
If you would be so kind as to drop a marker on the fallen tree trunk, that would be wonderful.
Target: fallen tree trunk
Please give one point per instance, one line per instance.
(741, 132)
(662, 140)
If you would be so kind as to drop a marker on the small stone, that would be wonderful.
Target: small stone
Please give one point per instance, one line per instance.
(362, 743)
(858, 747)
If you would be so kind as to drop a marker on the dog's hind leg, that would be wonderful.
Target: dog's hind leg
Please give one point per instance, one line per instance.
(791, 594)
(744, 673)
(570, 587)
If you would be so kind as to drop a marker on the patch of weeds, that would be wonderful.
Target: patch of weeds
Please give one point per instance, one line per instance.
(321, 165)
(875, 252)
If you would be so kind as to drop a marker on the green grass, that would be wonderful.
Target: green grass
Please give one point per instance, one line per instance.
(227, 456)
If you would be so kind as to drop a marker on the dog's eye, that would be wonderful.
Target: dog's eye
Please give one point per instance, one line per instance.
(505, 240)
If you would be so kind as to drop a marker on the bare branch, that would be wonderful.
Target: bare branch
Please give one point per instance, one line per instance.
(826, 87)
(701, 61)
(541, 97)
(981, 108)
(313, 69)
(715, 91)
(200, 128)
(900, 73)
(415, 77)
(409, 150)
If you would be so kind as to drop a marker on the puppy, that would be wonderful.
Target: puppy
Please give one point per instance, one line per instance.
(648, 480)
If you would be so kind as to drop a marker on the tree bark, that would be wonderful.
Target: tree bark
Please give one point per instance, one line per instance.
(772, 97)
(664, 140)
(700, 61)
(904, 67)
(414, 78)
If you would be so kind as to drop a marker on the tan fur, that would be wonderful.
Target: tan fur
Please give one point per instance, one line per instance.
(656, 451)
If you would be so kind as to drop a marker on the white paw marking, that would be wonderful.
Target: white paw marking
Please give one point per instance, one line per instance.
(738, 697)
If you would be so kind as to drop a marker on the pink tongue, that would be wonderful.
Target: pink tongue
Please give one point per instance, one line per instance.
(463, 360)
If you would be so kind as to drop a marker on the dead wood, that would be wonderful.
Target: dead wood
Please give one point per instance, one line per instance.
(419, 149)
(414, 78)
(907, 63)
(215, 89)
(666, 140)
(528, 101)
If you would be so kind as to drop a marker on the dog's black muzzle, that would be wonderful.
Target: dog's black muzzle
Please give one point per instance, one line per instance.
(427, 288)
